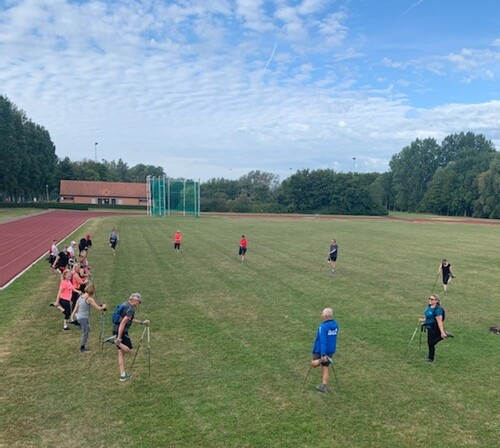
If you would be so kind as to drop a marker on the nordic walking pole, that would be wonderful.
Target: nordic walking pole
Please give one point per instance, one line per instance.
(307, 376)
(139, 346)
(149, 353)
(103, 329)
(335, 375)
(435, 281)
(413, 337)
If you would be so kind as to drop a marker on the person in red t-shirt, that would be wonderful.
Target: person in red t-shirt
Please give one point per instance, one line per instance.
(177, 241)
(243, 248)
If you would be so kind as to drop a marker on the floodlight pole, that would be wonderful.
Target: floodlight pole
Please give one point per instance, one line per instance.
(47, 192)
(184, 199)
(148, 196)
(168, 196)
(95, 151)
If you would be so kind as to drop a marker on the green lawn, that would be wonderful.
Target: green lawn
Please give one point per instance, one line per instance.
(231, 342)
(7, 214)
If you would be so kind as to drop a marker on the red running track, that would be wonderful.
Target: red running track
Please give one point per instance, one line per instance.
(23, 241)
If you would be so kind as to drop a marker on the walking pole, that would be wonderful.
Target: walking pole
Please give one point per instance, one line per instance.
(139, 346)
(149, 354)
(335, 375)
(413, 337)
(307, 376)
(102, 336)
(435, 281)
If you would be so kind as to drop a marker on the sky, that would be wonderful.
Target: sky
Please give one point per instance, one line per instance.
(218, 88)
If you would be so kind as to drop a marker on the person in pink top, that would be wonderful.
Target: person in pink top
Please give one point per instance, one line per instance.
(63, 299)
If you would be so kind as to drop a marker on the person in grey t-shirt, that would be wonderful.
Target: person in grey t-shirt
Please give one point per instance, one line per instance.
(81, 314)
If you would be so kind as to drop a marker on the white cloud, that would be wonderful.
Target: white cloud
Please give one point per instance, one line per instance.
(182, 84)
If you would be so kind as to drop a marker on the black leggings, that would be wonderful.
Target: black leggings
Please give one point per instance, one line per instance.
(433, 337)
(66, 304)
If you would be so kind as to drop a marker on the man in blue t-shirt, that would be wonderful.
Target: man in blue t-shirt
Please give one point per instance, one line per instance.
(325, 345)
(120, 331)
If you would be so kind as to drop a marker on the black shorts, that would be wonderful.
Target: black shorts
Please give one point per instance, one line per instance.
(177, 245)
(112, 243)
(243, 250)
(323, 363)
(333, 257)
(446, 278)
(125, 339)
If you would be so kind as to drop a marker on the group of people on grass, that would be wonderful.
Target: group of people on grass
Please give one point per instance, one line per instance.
(75, 299)
(325, 343)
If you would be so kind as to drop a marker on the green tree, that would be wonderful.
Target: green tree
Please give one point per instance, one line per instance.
(412, 171)
(488, 203)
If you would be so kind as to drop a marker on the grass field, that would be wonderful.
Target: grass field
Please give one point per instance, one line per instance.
(7, 214)
(231, 342)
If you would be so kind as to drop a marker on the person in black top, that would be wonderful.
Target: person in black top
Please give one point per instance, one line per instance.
(445, 269)
(332, 255)
(61, 260)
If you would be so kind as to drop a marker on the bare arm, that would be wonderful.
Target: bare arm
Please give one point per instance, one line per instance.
(439, 321)
(94, 305)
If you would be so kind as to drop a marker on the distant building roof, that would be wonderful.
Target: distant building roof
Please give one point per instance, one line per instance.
(102, 189)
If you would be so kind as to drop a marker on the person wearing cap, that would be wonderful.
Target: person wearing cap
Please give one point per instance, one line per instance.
(88, 241)
(120, 336)
(84, 244)
(325, 345)
(445, 270)
(177, 241)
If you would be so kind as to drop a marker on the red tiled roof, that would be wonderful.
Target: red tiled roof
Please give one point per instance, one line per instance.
(103, 189)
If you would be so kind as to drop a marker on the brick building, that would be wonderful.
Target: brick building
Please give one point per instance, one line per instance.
(107, 193)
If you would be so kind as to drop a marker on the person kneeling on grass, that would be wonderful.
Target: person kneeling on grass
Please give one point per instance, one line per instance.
(120, 336)
(325, 346)
(81, 314)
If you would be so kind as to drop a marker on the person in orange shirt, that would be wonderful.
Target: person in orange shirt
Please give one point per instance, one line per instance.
(177, 241)
(243, 248)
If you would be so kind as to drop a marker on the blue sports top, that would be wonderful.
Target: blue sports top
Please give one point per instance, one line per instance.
(127, 310)
(431, 314)
(326, 338)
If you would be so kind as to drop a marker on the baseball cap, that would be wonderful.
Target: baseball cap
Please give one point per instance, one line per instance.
(73, 242)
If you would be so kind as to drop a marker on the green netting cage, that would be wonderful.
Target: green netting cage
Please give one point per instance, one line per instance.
(167, 196)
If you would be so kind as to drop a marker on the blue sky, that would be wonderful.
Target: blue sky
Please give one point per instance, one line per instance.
(219, 88)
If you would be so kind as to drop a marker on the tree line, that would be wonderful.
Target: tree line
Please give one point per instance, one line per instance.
(30, 169)
(459, 176)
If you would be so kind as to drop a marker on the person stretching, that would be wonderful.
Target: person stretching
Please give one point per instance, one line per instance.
(81, 314)
(325, 345)
(63, 299)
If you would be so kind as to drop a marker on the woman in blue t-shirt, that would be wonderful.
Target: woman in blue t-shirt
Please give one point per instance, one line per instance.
(433, 322)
